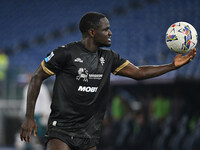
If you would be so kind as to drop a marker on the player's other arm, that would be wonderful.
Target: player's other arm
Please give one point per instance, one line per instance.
(145, 72)
(29, 123)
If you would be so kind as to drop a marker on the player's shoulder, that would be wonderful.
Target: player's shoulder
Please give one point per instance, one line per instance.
(68, 46)
(106, 51)
(66, 49)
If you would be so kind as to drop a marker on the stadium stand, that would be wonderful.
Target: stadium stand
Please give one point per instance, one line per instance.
(31, 29)
(35, 28)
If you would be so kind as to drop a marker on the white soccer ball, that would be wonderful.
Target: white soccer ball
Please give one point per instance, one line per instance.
(181, 37)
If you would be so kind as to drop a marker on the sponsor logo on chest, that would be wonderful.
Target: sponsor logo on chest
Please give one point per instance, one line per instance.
(87, 89)
(85, 76)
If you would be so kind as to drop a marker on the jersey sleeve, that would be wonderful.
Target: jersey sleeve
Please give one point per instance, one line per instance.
(54, 61)
(118, 63)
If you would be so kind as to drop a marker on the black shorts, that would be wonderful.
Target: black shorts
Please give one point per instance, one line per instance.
(75, 143)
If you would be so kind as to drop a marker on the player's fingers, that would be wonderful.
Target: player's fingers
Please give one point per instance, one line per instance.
(24, 137)
(21, 135)
(28, 139)
(179, 55)
(192, 54)
(35, 130)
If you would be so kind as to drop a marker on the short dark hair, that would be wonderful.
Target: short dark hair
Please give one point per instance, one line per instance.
(90, 20)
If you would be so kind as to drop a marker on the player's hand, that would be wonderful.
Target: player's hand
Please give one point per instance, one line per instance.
(181, 60)
(27, 127)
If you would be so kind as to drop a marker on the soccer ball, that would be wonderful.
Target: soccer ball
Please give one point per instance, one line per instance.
(181, 37)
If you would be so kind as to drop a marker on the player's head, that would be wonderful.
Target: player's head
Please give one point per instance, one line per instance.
(90, 20)
(97, 26)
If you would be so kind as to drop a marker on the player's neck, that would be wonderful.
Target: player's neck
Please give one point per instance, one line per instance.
(89, 44)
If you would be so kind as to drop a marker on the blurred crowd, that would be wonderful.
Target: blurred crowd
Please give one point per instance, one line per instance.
(150, 122)
(4, 65)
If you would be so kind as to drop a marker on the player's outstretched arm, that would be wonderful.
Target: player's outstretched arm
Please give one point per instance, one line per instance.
(29, 123)
(145, 72)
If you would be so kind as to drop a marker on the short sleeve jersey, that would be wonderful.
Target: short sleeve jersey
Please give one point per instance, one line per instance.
(81, 87)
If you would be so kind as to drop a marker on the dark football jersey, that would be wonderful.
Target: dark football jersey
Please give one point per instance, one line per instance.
(81, 87)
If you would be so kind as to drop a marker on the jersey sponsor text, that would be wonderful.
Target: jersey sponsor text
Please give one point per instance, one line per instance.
(87, 89)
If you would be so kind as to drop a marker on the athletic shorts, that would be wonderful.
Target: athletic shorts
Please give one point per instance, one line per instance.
(75, 143)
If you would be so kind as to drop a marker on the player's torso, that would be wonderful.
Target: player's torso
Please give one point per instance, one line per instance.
(86, 69)
(81, 77)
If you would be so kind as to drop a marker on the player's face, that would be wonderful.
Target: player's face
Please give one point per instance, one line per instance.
(103, 34)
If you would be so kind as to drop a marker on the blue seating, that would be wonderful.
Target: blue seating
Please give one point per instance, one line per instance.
(138, 30)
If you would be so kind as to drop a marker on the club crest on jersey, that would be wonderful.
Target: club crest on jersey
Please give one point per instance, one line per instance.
(49, 57)
(102, 60)
(82, 73)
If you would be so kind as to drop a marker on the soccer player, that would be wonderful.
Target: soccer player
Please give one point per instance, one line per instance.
(81, 86)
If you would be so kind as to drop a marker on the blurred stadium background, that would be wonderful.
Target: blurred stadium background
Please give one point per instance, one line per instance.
(31, 29)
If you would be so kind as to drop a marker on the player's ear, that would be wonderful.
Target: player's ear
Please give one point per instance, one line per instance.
(91, 32)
